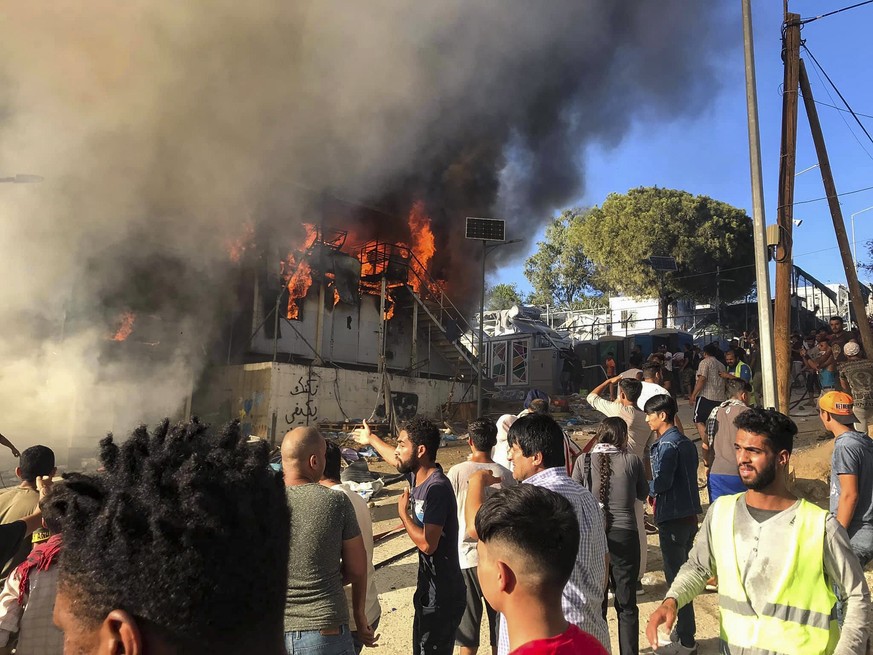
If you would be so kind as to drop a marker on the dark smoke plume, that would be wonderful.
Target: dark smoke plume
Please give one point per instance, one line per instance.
(162, 128)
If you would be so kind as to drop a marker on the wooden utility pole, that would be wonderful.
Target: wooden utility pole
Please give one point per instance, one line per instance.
(827, 177)
(785, 211)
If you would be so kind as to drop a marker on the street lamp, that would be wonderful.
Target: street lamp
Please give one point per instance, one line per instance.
(487, 230)
(854, 245)
(21, 179)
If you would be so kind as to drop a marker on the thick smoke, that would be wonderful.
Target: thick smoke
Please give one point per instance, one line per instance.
(161, 128)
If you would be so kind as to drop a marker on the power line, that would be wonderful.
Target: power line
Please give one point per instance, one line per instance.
(842, 117)
(825, 104)
(845, 102)
(845, 193)
(835, 11)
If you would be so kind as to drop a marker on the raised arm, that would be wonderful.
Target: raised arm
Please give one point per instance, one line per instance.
(5, 442)
(366, 438)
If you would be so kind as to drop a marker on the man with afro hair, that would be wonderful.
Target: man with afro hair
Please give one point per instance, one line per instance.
(180, 546)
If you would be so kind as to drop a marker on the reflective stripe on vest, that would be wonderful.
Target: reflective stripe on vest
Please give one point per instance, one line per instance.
(800, 616)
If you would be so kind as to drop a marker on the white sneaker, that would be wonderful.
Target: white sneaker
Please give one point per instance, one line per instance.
(676, 648)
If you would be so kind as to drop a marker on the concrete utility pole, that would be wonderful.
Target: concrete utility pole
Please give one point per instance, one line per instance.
(836, 213)
(762, 273)
(785, 211)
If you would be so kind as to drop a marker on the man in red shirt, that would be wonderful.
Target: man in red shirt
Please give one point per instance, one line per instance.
(528, 538)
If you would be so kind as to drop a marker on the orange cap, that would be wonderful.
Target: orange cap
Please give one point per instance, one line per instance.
(836, 403)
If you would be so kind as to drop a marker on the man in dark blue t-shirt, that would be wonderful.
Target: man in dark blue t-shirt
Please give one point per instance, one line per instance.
(430, 515)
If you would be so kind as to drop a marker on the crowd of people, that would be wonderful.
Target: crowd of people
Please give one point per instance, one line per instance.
(187, 541)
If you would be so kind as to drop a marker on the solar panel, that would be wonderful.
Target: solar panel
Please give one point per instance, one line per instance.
(486, 229)
(662, 263)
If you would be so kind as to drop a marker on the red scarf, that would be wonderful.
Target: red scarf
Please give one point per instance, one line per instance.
(41, 558)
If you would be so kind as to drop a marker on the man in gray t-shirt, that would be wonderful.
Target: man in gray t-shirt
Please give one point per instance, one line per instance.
(326, 542)
(708, 392)
(851, 473)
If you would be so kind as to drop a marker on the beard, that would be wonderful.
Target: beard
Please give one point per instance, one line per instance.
(409, 466)
(762, 479)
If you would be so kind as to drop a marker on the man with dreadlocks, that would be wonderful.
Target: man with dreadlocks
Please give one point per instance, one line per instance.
(158, 553)
(617, 479)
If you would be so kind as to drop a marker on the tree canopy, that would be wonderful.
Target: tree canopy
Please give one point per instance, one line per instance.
(503, 296)
(702, 235)
(559, 271)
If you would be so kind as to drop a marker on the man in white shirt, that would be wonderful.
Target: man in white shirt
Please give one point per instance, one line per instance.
(331, 479)
(482, 435)
(652, 379)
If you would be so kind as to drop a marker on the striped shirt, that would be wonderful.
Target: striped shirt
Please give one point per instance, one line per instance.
(583, 595)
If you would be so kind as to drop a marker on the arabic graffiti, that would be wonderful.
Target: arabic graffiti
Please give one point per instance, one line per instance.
(306, 408)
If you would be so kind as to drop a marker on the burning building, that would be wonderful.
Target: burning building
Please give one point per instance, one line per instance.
(338, 324)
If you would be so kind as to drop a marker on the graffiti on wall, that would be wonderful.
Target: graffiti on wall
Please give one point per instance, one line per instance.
(305, 404)
(247, 409)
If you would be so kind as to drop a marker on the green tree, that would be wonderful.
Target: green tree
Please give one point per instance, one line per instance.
(559, 271)
(702, 234)
(593, 301)
(503, 296)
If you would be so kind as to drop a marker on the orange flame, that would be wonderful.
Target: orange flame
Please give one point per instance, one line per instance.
(311, 236)
(336, 297)
(423, 243)
(298, 279)
(127, 319)
(297, 273)
(238, 246)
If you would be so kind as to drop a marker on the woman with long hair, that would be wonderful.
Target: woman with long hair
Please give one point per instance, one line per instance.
(617, 479)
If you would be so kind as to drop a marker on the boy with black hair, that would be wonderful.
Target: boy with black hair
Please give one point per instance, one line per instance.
(677, 504)
(158, 555)
(430, 516)
(483, 437)
(528, 540)
(21, 501)
(537, 454)
(28, 597)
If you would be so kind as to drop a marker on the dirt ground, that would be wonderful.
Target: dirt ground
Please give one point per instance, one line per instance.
(396, 581)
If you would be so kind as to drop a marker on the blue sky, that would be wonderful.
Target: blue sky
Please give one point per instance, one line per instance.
(708, 153)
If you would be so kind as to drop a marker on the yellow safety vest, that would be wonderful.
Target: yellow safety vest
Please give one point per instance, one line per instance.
(800, 618)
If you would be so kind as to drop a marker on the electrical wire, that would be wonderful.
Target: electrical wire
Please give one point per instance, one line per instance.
(845, 193)
(825, 104)
(845, 102)
(835, 11)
